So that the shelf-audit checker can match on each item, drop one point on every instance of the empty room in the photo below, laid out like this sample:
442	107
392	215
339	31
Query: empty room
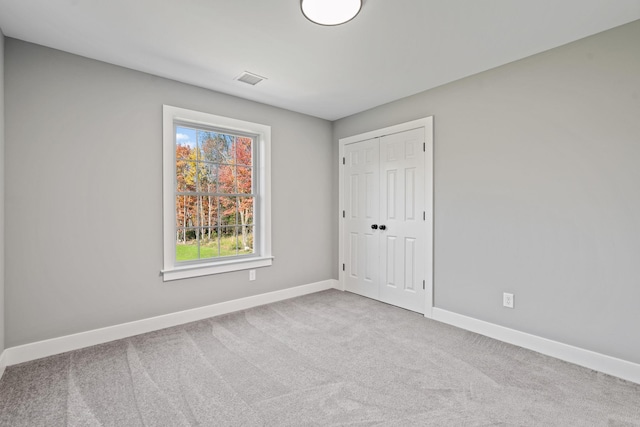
319	212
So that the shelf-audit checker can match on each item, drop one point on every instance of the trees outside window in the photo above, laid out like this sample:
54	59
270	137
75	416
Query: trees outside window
215	194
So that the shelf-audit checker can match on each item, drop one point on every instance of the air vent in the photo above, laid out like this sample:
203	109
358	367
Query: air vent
250	78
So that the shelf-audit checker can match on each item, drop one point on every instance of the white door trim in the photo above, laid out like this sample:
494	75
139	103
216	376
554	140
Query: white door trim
427	123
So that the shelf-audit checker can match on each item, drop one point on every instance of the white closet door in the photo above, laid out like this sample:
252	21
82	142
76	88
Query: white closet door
402	206
384	231
362	209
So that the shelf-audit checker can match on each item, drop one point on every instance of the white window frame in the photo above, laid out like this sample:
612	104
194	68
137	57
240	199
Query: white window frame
263	258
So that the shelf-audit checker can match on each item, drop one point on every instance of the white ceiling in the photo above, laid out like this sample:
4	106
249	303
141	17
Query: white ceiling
392	49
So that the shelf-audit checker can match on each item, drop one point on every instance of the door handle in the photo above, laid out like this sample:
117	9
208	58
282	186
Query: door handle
383	227
374	226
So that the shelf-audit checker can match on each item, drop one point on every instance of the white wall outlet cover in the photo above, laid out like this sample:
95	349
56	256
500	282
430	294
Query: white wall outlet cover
252	275
507	300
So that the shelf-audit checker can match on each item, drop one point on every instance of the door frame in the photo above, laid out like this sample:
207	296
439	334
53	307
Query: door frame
427	124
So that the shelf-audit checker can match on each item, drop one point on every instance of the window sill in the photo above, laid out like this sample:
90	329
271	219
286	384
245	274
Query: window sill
196	270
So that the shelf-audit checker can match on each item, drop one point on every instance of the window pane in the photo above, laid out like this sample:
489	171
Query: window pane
245	210
215	147
208	177
226	179
208	243
228	210
186	245
210	237
185	176
208	212
201	181
245	237
244	179
228	241
185	143
186	211
244	152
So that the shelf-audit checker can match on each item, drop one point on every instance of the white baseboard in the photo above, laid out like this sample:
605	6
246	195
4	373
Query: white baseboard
599	362
3	362
50	347
589	359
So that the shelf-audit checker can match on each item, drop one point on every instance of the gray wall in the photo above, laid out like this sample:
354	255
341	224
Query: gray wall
537	191
1	191
84	196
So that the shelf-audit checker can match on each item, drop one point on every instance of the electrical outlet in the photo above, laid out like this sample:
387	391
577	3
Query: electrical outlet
507	300
252	275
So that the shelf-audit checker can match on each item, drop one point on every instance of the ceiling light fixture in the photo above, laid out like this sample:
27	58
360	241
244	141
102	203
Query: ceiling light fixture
330	12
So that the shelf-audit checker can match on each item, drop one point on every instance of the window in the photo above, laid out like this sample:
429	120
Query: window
216	194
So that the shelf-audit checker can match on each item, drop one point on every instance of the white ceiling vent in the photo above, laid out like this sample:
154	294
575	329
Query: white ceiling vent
250	78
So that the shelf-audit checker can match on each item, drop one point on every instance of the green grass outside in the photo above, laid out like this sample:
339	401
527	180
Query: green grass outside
189	251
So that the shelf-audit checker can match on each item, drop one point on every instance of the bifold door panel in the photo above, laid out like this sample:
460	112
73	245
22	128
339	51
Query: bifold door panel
362	216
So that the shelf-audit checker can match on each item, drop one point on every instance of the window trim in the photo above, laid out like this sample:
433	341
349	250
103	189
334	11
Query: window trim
173	270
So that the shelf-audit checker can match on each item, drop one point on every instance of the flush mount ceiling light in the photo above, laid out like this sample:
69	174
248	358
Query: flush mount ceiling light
330	12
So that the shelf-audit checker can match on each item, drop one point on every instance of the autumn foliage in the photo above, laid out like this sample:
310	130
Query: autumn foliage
214	191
